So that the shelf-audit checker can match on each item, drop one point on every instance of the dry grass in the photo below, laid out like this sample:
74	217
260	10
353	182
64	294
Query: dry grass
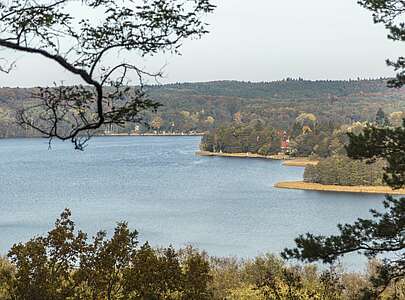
301	185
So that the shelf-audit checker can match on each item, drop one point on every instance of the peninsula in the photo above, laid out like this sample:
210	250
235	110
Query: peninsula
309	186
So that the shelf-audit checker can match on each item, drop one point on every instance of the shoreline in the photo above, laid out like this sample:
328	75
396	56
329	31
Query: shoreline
109	135
152	134
308	186
243	155
288	161
300	162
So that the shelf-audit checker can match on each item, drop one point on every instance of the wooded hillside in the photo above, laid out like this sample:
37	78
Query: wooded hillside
202	106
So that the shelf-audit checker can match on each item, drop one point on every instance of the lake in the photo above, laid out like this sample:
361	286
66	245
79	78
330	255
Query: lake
226	206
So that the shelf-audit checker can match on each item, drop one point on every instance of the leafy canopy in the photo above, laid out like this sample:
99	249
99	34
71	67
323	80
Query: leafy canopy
64	264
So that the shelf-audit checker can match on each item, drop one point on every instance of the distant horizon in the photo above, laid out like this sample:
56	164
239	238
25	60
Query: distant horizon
228	80
262	41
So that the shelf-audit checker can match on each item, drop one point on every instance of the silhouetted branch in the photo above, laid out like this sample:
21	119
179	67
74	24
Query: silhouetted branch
145	27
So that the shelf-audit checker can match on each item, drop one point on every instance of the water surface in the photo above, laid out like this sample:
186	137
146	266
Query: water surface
227	206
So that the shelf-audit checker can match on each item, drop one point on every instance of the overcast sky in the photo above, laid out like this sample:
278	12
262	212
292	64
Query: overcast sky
262	40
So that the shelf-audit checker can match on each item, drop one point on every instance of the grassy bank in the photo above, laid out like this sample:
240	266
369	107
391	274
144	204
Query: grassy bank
301	185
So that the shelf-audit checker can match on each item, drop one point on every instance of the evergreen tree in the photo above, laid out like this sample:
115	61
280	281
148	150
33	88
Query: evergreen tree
384	233
380	117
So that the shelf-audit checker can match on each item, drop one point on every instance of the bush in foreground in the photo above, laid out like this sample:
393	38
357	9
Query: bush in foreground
66	265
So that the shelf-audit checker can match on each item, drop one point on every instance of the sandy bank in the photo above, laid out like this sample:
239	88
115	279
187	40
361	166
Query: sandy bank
300	162
300	185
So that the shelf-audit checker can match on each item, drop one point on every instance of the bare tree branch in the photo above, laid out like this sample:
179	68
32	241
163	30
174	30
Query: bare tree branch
142	26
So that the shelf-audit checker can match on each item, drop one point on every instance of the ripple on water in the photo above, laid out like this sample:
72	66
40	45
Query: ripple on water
225	206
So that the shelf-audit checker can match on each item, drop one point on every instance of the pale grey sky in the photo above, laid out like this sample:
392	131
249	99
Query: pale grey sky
261	40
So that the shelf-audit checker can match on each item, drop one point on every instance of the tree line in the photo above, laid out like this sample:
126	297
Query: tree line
255	137
64	265
342	170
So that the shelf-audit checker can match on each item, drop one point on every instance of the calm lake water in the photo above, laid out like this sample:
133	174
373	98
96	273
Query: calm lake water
227	206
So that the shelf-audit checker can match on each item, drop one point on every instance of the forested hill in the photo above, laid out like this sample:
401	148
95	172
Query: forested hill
285	89
203	106
289	89
14	96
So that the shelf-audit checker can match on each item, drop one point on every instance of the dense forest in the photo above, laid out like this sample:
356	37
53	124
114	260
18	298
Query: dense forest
200	107
306	137
203	106
322	141
255	137
341	170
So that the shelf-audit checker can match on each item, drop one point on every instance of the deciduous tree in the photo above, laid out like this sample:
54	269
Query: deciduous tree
64	264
